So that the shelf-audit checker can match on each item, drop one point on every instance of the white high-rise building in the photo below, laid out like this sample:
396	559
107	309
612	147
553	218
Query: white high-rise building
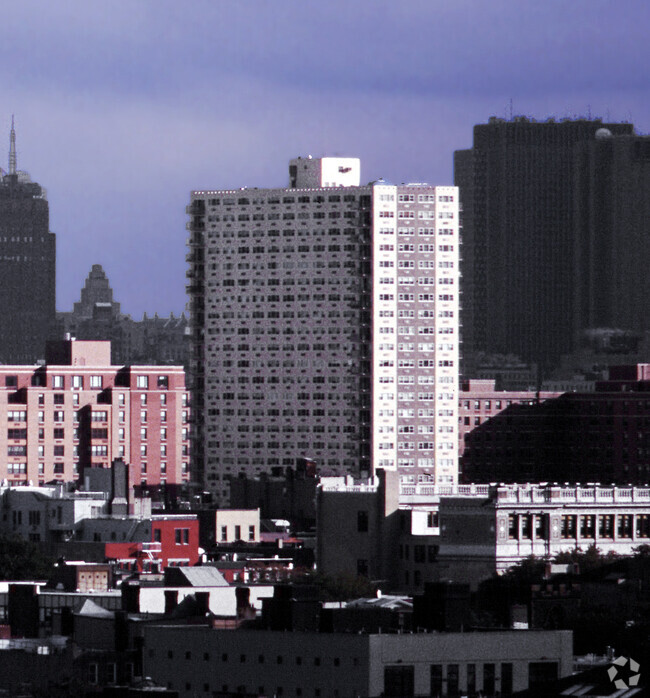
325	325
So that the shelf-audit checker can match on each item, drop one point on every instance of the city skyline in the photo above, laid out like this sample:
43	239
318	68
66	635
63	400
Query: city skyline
121	111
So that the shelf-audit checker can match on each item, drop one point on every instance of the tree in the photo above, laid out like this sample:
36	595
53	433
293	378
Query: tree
587	560
340	587
22	560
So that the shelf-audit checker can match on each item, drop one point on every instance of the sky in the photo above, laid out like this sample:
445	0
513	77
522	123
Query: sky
122	108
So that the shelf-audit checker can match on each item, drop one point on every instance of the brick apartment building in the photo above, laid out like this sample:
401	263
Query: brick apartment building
576	437
479	401
78	411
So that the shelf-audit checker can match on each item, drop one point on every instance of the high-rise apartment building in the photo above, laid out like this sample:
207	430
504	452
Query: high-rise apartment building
325	325
27	266
612	220
519	277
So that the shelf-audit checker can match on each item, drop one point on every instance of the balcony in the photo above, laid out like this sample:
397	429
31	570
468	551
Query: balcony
196	208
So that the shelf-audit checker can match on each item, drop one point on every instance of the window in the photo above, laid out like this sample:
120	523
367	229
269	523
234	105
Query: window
163	382
57	382
452	679
77	382
624	526
513	527
540	673
506	678
142	382
238	533
587	526
93	673
251	533
96	382
224	533
182	536
488	678
643	526
399	680
362	521
568	526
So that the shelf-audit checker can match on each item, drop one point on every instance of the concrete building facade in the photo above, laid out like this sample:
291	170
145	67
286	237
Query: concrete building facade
195	660
406	535
324	325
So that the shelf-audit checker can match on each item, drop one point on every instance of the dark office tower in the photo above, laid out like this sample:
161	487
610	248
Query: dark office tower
516	188
27	266
612	219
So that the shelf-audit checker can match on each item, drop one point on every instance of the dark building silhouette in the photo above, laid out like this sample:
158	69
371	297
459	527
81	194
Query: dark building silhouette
600	436
612	221
27	266
96	316
516	188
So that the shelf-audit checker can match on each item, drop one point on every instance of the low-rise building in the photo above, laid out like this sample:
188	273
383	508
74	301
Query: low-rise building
197	660
429	533
237	525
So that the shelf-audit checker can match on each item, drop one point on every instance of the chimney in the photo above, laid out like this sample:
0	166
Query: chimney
171	600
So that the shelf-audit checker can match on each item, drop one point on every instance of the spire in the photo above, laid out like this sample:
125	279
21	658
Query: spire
12	148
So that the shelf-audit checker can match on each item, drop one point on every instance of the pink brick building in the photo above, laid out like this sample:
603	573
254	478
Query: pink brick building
478	401
78	411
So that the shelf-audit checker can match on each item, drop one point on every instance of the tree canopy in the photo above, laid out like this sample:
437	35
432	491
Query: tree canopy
22	560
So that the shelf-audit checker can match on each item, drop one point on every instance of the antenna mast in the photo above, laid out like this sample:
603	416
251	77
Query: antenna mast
12	148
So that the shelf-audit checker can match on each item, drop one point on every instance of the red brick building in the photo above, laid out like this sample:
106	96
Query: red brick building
78	411
478	401
601	436
174	542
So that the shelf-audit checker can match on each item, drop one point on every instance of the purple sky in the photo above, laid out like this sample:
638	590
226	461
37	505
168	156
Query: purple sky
123	107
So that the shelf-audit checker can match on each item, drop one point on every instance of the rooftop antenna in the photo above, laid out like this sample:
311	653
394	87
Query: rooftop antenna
510	108
12	148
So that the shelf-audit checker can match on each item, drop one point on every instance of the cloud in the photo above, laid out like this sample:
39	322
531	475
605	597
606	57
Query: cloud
123	108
